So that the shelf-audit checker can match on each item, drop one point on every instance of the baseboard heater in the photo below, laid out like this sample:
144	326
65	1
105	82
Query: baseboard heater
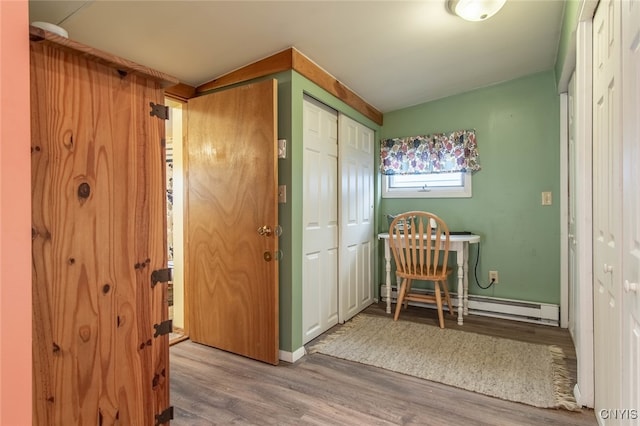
517	310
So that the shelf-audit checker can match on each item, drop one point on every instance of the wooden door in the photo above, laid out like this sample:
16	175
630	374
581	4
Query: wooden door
607	204
631	207
231	266
356	217
319	219
99	230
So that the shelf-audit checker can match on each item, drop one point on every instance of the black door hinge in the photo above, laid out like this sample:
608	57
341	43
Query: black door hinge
165	327
165	416
161	276
160	111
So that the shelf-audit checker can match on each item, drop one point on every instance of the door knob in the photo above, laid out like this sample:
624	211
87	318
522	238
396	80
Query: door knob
265	231
630	287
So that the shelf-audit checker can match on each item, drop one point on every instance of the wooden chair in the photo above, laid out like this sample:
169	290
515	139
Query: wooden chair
419	242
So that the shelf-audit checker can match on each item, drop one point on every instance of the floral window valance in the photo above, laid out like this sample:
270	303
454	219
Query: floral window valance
436	153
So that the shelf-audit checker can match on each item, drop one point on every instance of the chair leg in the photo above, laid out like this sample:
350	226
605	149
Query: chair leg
439	303
447	298
403	290
409	282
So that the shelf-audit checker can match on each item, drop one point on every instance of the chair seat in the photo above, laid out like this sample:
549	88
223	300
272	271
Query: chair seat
426	277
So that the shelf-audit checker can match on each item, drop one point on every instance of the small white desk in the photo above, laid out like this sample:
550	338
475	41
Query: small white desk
458	244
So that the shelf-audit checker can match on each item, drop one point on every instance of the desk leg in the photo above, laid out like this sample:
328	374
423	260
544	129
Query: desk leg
387	261
461	276
466	278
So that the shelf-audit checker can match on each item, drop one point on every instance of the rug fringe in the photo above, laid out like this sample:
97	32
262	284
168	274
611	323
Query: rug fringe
349	324
562	381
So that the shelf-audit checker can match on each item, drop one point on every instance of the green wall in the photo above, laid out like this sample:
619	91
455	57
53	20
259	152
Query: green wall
517	127
286	265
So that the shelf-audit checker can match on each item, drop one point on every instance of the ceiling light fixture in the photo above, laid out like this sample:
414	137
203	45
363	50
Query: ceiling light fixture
475	10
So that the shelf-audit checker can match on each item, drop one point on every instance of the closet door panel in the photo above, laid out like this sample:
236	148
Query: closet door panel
607	203
320	219
356	217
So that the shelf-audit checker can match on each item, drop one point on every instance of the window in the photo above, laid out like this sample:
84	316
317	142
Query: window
434	185
429	166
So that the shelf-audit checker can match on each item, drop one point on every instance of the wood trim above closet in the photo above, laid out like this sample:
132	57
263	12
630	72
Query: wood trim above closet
292	59
181	91
273	64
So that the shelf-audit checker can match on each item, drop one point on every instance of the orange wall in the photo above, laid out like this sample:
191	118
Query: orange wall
15	216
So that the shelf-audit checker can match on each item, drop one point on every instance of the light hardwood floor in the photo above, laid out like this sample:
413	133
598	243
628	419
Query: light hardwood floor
212	387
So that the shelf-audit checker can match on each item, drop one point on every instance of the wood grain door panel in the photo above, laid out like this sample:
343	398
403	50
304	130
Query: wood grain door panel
231	280
99	230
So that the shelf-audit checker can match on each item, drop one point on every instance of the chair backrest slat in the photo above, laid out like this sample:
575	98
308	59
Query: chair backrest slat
420	244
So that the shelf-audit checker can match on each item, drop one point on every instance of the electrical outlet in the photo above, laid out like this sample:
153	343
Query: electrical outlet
493	276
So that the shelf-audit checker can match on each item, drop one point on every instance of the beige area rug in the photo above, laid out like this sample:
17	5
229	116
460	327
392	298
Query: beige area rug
507	369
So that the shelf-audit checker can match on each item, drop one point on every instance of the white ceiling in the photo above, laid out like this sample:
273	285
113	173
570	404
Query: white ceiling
393	54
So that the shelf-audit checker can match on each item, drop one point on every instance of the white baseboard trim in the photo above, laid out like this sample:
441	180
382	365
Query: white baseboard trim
517	310
292	357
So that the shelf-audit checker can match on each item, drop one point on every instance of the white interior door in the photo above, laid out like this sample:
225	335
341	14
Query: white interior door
631	205
356	217
607	206
320	219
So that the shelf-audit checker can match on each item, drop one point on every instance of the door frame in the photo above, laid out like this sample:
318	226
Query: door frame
584	390
564	210
579	59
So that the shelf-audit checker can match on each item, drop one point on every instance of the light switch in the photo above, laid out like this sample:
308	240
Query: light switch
546	198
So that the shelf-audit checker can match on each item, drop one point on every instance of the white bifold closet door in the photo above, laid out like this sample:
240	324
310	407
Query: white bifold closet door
607	205
319	219
356	217
337	216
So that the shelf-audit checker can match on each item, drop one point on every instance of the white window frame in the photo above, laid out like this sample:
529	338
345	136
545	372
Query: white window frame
464	190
